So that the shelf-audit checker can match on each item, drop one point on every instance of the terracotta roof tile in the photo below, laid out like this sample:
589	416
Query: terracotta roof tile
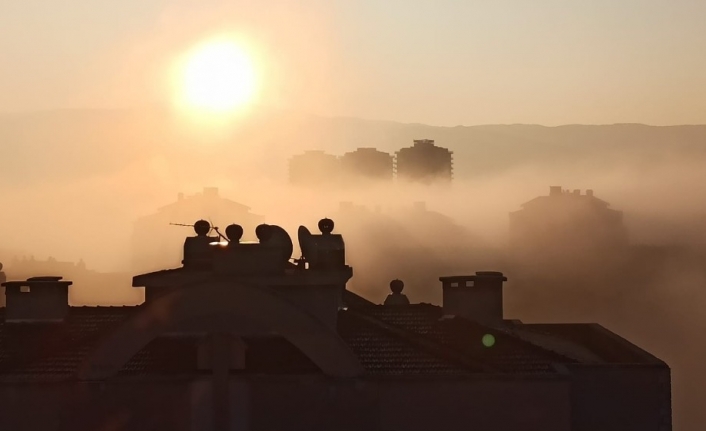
409	340
381	352
508	354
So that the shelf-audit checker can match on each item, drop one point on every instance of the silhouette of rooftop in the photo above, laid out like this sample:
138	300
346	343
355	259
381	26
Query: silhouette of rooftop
247	312
403	340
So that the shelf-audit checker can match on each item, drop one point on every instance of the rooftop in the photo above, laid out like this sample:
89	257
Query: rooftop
402	341
277	304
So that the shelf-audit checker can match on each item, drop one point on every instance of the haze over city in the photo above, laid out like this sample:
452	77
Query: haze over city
112	112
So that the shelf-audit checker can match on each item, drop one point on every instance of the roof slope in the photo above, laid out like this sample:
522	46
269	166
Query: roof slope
412	340
53	351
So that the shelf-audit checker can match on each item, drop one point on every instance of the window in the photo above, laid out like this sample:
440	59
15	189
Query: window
24	289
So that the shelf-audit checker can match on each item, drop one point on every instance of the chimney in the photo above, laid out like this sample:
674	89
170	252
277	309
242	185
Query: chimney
589	193
36	300
554	190
476	297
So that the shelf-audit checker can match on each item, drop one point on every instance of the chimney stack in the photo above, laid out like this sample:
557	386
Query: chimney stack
476	297
554	190
37	300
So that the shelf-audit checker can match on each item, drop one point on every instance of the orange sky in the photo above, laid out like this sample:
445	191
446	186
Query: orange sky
446	62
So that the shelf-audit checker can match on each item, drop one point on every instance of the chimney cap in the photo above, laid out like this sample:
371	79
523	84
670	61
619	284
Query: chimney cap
490	273
234	232
45	278
39	281
396	286
326	226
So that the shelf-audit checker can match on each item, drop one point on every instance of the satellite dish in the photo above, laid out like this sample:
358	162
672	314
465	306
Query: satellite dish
263	232
280	238
307	243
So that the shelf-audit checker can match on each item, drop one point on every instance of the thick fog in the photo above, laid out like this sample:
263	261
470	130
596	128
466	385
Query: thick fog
74	184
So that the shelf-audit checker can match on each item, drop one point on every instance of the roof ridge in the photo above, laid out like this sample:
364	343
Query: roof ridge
529	331
512	332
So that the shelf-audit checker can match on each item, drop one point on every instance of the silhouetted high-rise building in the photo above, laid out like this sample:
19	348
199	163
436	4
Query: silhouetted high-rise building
424	162
368	163
314	168
240	337
567	221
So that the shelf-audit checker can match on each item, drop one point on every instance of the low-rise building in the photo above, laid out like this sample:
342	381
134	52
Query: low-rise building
567	222
242	337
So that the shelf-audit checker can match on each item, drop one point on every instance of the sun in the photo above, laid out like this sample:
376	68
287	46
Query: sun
218	77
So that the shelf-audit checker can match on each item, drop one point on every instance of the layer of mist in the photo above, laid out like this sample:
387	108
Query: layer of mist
74	182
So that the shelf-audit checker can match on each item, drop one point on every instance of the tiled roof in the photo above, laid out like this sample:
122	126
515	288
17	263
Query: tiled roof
164	355
54	351
508	354
381	352
411	340
584	339
179	355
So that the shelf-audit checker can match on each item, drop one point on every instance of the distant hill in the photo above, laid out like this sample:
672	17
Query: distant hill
66	144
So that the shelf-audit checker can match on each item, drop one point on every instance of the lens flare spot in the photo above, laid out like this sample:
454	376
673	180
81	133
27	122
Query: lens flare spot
488	340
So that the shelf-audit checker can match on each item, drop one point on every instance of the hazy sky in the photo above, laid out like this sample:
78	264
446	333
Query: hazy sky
444	62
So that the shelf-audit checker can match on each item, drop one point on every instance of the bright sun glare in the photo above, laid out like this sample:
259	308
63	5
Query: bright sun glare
218	77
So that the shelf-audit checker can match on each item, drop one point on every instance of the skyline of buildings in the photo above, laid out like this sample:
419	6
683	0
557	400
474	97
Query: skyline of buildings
239	337
423	163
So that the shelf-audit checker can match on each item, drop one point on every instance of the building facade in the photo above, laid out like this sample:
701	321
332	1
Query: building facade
367	164
424	162
314	169
241	338
567	222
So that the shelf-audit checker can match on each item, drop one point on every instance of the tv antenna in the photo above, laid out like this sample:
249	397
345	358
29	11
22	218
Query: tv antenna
205	225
